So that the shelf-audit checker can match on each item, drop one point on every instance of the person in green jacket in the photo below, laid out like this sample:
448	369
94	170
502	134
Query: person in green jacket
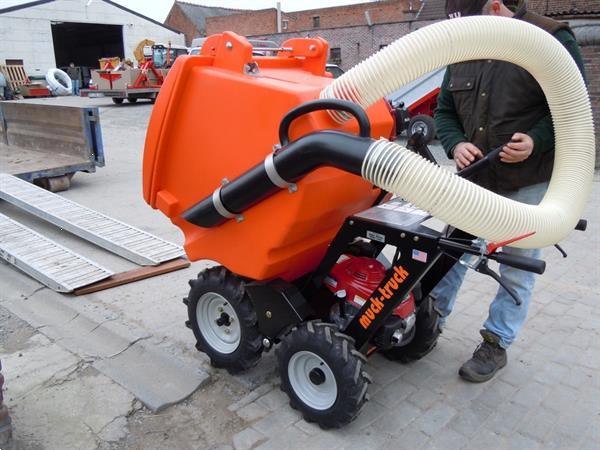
482	105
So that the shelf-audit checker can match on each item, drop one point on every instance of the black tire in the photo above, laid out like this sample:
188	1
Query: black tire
425	338
117	100
212	285
337	352
132	99
424	124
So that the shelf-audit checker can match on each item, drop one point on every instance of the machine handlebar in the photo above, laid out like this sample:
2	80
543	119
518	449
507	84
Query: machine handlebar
516	261
318	105
520	262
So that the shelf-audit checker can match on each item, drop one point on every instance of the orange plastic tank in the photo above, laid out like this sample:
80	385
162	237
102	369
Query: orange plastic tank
217	116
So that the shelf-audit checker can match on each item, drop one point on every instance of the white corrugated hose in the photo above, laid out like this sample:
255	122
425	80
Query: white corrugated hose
447	196
59	82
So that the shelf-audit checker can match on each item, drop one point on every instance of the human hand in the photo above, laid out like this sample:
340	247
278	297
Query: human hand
465	153
518	149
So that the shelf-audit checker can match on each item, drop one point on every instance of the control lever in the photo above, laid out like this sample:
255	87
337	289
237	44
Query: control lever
482	267
561	250
485	252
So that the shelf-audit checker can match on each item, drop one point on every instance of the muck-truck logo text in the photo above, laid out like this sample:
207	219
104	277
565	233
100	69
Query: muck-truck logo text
387	292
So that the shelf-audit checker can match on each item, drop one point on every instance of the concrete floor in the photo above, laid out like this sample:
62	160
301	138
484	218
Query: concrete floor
59	399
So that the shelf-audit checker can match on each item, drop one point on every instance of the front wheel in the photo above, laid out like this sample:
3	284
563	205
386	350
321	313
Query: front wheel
117	100
132	99
223	320
322	374
422	124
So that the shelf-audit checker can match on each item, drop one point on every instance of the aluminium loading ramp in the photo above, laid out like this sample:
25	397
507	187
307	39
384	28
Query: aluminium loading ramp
48	262
124	240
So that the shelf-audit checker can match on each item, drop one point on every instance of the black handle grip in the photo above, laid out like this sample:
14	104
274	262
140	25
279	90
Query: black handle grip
491	157
520	262
318	105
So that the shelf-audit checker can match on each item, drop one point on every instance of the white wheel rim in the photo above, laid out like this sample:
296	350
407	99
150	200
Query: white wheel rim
320	396
218	323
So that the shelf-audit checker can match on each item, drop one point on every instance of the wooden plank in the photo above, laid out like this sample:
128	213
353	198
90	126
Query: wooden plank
134	275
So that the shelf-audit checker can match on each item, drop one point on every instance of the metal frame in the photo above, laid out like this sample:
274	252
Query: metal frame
405	233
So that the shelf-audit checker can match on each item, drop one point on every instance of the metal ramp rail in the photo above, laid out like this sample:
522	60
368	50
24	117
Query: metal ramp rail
52	264
124	240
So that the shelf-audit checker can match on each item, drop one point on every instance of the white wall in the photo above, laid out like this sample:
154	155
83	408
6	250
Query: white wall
26	33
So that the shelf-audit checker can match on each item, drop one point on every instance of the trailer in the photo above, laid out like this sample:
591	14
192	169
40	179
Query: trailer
124	82
47	144
118	96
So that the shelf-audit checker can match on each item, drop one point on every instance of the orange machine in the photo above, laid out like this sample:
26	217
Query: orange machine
217	116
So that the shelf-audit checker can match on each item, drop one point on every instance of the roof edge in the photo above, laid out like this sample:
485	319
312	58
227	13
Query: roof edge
206	6
135	13
23	6
110	2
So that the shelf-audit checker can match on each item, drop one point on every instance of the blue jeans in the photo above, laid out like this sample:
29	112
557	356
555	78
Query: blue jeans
75	89
505	318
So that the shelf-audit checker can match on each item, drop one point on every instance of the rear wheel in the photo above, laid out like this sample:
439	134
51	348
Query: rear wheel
132	99
223	321
426	335
117	100
322	374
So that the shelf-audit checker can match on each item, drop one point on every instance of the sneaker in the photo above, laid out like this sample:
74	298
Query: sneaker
487	359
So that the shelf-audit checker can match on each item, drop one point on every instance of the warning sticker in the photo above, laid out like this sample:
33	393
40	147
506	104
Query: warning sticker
376	236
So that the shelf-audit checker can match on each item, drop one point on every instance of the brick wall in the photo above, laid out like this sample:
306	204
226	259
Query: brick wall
178	20
351	15
558	7
356	43
591	59
265	21
253	22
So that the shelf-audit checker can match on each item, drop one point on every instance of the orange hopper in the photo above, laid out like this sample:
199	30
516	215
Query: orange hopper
217	116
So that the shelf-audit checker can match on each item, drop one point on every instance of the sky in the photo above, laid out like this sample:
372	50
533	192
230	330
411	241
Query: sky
158	9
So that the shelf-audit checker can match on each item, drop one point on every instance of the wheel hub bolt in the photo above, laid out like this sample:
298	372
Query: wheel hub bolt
224	319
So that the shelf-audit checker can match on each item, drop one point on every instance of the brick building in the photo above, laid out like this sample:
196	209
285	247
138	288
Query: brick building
266	21
584	18
353	31
190	19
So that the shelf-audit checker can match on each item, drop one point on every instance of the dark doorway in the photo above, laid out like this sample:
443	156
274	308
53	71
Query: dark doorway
85	43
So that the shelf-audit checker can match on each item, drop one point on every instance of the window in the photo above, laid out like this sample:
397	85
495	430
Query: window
335	55
316	21
285	24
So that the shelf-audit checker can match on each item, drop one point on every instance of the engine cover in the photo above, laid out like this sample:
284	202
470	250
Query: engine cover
359	276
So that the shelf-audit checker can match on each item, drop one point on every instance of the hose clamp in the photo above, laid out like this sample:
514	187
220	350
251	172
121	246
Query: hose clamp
219	206
275	177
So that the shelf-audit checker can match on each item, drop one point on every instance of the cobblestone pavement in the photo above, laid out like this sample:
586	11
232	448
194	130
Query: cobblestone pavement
547	397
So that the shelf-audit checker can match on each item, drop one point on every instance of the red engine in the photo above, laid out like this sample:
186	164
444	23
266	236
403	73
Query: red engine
359	276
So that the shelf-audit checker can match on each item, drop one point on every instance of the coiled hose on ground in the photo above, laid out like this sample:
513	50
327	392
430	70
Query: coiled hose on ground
447	196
